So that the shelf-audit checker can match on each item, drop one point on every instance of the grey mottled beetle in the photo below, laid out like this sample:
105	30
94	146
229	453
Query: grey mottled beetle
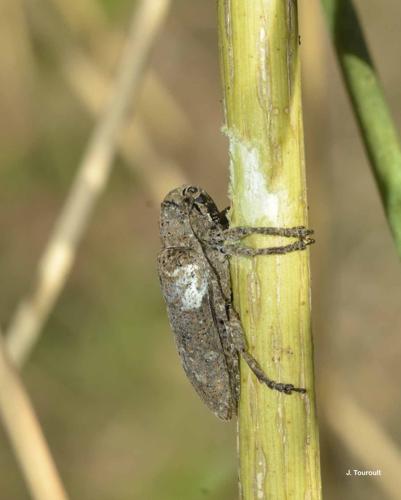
194	274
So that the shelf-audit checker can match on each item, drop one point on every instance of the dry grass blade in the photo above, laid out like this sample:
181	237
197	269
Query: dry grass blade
26	436
89	183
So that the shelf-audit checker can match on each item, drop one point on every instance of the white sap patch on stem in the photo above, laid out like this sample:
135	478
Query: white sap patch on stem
254	200
190	286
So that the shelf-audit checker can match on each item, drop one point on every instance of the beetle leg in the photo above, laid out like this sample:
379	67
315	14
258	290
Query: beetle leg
239	342
239	232
243	251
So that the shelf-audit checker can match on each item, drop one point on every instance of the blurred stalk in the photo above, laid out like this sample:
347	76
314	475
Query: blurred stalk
369	105
278	434
23	429
90	182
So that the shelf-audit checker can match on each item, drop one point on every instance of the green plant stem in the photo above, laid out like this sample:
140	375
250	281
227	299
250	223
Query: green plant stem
278	434
369	104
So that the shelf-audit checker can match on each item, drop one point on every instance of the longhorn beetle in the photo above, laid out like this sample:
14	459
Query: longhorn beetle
194	274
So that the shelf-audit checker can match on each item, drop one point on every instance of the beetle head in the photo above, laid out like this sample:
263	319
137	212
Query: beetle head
183	209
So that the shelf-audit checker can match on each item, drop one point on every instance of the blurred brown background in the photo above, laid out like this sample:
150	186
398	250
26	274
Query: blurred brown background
121	419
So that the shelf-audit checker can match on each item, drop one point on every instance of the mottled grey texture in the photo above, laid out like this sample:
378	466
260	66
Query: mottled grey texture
195	279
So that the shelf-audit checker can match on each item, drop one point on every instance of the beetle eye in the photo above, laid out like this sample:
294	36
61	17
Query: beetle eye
192	190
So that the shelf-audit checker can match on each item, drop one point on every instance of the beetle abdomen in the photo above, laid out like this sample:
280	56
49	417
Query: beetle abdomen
185	283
